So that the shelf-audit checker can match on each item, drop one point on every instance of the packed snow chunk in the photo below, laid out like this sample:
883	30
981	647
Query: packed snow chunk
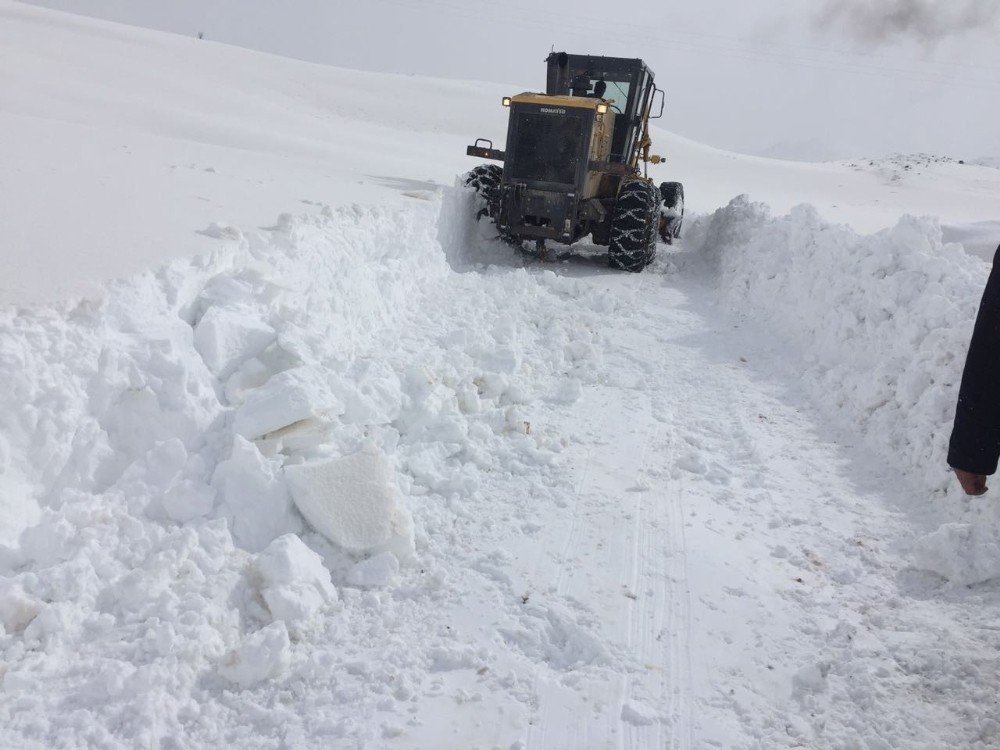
50	541
261	656
17	608
556	636
502	359
371	392
226	337
352	501
254	498
219	231
186	500
140	401
430	410
963	553
374	571
639	714
810	679
289	560
251	374
293	581
181	498
452	657
19	509
569	391
285	399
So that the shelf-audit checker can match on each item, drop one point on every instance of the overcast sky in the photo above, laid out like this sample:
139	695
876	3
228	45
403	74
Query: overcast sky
822	78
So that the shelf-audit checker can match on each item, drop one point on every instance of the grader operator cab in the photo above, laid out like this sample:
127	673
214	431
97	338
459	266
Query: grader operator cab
571	164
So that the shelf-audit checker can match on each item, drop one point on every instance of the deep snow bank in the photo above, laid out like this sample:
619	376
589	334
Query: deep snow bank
135	425
168	437
182	363
882	325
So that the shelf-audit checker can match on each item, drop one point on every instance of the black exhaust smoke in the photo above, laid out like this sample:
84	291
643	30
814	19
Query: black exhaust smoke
926	21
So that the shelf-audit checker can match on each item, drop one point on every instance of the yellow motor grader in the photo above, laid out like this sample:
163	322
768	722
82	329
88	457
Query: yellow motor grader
571	164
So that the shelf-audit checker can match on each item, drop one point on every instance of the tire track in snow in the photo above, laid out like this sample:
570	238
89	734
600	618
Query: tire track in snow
615	504
660	619
560	578
678	598
603	516
538	731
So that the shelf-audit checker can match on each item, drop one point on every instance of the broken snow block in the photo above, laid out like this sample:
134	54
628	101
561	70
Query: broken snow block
219	231
293	581
639	714
251	374
260	656
285	399
225	338
254	498
17	608
352	502
965	554
374	571
186	500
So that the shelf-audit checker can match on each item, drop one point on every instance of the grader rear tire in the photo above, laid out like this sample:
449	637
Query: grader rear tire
672	211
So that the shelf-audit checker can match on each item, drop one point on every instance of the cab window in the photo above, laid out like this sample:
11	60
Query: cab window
616	90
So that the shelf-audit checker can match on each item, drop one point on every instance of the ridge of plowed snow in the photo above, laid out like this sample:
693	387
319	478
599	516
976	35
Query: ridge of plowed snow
125	435
879	333
883	321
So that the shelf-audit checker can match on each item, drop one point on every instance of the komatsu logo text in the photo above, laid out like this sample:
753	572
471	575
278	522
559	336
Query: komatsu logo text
552	110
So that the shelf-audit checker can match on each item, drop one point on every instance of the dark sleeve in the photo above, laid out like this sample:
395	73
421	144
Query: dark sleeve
975	439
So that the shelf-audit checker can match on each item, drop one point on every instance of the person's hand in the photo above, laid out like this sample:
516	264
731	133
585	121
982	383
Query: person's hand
973	484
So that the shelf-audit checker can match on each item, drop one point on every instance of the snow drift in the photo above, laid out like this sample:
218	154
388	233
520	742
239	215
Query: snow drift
168	437
880	324
128	426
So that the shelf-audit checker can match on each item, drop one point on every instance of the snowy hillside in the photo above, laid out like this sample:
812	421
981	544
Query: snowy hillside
113	166
328	466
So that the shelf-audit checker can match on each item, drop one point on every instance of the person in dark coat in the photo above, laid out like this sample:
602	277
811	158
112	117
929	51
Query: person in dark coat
975	438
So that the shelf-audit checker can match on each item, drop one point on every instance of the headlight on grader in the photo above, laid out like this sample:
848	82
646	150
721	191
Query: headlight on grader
602	109
506	101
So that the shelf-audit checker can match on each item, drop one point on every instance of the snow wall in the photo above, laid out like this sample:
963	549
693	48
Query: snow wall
882	323
203	355
200	466
152	553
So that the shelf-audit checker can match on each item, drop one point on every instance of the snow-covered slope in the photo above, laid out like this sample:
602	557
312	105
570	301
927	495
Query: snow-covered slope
123	144
338	475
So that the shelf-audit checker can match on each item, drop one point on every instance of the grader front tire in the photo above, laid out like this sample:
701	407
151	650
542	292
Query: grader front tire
633	226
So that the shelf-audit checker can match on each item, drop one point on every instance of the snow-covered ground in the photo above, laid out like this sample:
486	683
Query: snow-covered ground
328	466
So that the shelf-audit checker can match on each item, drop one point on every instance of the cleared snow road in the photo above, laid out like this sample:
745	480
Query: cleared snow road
745	560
